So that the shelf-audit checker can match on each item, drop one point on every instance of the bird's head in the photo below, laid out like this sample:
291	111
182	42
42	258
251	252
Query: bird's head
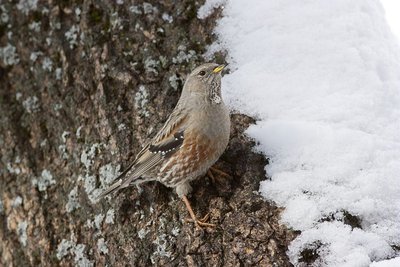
205	81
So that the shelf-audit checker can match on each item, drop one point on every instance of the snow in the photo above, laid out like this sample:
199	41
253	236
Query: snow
208	7
322	78
387	263
392	9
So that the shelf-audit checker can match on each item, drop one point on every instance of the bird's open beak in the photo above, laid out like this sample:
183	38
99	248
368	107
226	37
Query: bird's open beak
219	68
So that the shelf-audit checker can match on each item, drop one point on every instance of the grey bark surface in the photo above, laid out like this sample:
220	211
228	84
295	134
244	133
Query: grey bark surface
83	85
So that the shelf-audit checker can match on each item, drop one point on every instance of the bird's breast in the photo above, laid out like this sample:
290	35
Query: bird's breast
204	141
215	123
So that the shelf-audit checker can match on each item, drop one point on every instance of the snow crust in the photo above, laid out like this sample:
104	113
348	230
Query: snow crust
323	80
392	9
387	263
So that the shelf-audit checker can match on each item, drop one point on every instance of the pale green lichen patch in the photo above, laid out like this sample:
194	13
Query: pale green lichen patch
73	202
64	136
31	104
35	55
63	148
63	151
116	22
184	56
78	12
49	41
18	96
110	215
141	101
44	181
17	201
64	248
165	240
58	74
98	221
163	248
149	8
142	233
163	60
9	55
175	231
80	258
47	64
57	107
78	132
90	187
102	246
174	81
107	174
89	223
167	18
11	168
121	127
4	18
88	155
69	247
34	26
135	10
72	36
25	6
21	231
150	65
43	143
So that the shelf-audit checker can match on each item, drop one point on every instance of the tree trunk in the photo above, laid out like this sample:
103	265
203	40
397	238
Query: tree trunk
83	85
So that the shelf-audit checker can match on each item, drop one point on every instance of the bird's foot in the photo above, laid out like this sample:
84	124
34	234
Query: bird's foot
220	172
200	223
216	174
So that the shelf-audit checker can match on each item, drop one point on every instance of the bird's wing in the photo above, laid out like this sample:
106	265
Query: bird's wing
163	145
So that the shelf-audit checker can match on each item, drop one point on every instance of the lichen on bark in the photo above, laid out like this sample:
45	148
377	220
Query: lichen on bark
83	84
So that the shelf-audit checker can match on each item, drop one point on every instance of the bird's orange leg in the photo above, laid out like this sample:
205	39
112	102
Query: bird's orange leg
211	175
218	171
216	175
199	222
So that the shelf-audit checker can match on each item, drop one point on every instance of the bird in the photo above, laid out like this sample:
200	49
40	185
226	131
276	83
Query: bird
192	139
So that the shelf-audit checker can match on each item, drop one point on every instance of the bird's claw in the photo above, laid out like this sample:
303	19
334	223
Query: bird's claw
219	172
216	175
200	223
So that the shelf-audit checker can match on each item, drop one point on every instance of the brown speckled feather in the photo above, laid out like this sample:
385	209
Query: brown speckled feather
195	150
168	140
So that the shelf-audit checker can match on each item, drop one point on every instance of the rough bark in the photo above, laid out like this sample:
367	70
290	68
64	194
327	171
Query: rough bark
87	84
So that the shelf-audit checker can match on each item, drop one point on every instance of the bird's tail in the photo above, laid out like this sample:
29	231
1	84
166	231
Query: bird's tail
117	185
112	188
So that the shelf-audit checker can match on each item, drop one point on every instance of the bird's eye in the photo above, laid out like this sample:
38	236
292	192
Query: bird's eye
202	73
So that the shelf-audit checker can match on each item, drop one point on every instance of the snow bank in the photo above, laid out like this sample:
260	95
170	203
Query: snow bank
392	9
323	80
387	263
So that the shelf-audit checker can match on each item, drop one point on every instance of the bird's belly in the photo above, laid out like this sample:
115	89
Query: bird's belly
201	148
196	155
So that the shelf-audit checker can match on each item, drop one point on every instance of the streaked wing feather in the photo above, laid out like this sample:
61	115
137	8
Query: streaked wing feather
150	161
168	144
164	144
